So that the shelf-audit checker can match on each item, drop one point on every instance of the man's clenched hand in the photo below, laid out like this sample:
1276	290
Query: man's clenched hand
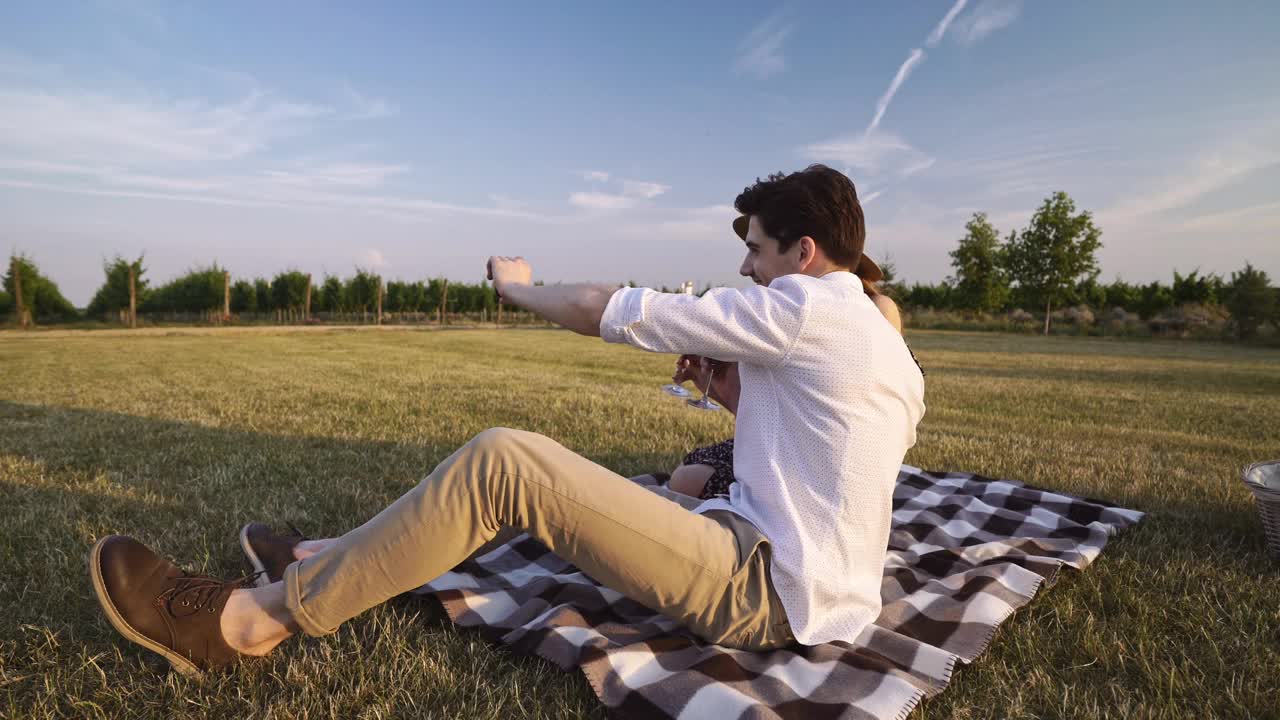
507	272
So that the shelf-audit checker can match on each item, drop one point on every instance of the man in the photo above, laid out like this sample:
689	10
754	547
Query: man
829	403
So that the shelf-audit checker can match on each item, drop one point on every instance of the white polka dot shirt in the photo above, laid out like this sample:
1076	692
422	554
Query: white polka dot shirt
829	406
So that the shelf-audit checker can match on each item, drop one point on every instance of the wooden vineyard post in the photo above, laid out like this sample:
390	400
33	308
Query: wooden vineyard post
133	299
226	295
444	304
19	305
307	311
498	322
379	301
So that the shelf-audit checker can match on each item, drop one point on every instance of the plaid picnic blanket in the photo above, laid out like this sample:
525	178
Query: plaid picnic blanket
965	552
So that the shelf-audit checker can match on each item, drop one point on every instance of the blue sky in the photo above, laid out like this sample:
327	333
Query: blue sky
606	141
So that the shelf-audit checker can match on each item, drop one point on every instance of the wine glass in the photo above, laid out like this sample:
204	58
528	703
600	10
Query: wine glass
704	402
676	390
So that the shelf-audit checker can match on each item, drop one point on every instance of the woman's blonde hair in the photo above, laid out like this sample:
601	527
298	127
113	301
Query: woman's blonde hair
869	287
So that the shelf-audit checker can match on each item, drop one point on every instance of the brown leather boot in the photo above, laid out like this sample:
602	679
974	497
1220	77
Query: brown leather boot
268	552
157	605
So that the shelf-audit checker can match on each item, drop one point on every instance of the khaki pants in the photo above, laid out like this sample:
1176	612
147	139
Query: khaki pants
710	572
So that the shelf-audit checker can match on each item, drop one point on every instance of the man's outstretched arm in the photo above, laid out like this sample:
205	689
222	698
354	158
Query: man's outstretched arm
576	307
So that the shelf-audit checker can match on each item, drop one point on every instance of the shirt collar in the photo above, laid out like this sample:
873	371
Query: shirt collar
841	276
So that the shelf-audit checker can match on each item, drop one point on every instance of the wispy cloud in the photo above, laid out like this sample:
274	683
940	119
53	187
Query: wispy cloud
760	52
200	150
41	118
505	202
595	176
1262	217
936	36
347	174
872	153
646	190
919	165
110	175
904	71
139	131
253	192
633	193
370	259
363	107
713	223
988	17
600	201
1210	171
1027	167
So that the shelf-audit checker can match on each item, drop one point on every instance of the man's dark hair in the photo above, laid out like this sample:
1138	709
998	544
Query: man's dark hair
817	201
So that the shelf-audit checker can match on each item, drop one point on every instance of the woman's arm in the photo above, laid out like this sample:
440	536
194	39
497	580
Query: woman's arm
889	309
691	480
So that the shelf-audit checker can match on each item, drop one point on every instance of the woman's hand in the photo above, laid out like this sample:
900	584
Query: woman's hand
723	376
689	368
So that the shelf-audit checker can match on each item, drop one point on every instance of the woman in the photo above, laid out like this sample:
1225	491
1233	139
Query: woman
707	472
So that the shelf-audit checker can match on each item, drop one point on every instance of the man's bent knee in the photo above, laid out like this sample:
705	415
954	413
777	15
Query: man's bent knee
497	439
501	447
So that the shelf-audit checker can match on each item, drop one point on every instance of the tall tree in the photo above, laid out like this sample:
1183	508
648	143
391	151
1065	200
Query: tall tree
289	290
198	290
361	291
262	291
488	298
435	294
244	297
418	297
1250	300
1091	293
1195	288
397	298
936	297
1122	295
1153	299
114	293
329	297
980	281
40	295
891	284
1054	253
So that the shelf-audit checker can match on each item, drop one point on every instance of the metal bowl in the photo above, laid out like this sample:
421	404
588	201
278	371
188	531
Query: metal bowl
1264	475
1264	480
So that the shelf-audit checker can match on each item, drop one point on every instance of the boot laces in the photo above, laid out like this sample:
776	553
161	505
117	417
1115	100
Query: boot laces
192	593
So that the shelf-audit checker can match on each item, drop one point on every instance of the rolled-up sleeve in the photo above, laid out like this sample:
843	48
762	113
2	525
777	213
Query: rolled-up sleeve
623	310
756	324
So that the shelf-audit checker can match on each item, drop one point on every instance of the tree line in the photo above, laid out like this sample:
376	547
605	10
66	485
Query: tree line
202	289
1053	263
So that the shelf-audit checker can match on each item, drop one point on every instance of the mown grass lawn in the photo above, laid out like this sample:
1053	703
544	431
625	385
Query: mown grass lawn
179	439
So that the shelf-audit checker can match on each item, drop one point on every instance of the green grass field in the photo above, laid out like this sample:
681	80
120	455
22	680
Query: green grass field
179	438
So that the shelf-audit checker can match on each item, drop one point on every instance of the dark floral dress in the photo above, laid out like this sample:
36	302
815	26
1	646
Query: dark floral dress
720	458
